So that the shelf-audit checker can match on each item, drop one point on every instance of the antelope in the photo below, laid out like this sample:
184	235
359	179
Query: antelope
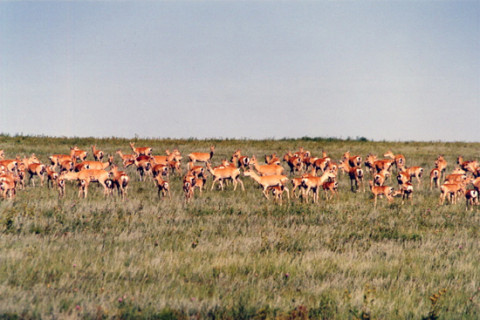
239	160
160	170
471	197
92	175
277	192
381	190
380	178
61	186
52	176
188	190
224	173
57	159
78	153
385	164
406	191
197	181
355	173
321	164
296	183
97	154
415	172
314	183
369	163
97	165
435	175
399	159
441	165
266	169
141	151
294	162
126	157
143	165
272	159
353	161
174	166
451	190
331	186
163	187
120	180
36	169
455	178
196	170
470	166
8	188
166	158
67	165
268	181
202	156
11	165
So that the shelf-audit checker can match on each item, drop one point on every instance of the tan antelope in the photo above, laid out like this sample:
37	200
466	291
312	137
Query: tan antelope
89	175
353	161
52	176
451	190
97	154
141	151
163	187
272	159
120	180
239	160
415	172
355	174
78	154
296	184
197	181
266	169
225	173
57	159
314	183
331	186
435	176
97	165
277	192
369	163
202	156
126	158
36	169
160	170
144	166
469	166
294	162
399	159
441	165
406	191
268	181
380	177
387	191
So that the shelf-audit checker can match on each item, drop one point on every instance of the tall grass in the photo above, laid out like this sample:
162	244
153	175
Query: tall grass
235	254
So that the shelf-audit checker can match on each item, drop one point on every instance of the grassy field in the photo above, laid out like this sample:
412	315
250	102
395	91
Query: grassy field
235	254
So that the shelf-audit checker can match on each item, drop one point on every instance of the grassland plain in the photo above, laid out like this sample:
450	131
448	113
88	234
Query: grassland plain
237	255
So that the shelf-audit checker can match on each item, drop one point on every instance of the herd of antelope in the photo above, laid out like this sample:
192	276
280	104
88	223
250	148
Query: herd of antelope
307	174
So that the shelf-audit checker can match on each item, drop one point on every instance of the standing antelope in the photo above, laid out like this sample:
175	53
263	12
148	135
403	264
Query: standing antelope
239	160
266	169
354	161
97	154
355	173
399	159
120	180
78	154
381	190
268	181
202	156
141	151
163	187
314	183
225	173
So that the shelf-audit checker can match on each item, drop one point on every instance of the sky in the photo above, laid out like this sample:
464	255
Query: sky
384	70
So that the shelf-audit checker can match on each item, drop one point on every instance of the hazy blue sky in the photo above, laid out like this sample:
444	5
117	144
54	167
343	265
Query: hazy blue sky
394	70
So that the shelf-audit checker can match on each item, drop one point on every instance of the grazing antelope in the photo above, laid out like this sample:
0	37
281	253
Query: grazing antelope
225	173
353	161
120	180
141	151
268	181
314	183
239	160
399	159
78	154
163	187
355	173
202	156
97	154
471	197
266	169
387	191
